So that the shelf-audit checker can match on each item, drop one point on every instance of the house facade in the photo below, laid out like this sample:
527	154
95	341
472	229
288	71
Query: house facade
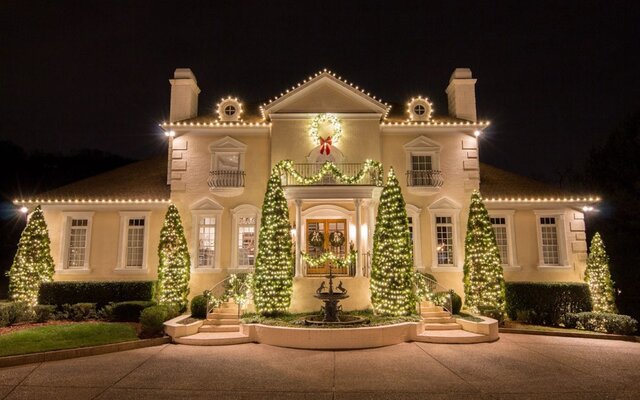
333	144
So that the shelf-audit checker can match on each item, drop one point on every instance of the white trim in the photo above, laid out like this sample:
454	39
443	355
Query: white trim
244	210
561	232
445	207
508	215
414	213
227	145
326	211
63	267
195	222
125	216
422	146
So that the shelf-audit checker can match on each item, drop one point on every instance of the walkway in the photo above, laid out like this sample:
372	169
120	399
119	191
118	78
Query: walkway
515	367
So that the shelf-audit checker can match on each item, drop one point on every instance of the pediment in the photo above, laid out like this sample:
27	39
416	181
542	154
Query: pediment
227	143
325	94
422	143
206	204
444	203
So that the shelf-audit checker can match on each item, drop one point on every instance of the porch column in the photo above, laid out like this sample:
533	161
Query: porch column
358	203
298	204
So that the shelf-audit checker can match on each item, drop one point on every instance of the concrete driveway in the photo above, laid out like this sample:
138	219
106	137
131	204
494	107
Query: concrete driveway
515	367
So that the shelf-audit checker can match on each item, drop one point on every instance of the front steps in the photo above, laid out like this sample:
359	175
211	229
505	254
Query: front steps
441	327
222	327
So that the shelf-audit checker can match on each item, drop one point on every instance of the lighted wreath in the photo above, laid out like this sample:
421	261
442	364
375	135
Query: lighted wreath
336	128
316	239
336	238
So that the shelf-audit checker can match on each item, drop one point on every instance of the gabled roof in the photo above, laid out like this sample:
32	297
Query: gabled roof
324	76
142	180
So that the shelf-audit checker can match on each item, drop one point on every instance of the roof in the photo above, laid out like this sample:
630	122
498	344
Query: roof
140	180
496	183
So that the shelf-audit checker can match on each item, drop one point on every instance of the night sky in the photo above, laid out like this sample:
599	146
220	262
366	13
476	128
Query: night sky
554	79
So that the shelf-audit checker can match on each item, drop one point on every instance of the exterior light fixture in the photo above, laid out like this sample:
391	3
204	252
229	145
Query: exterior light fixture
169	133
24	210
477	133
587	208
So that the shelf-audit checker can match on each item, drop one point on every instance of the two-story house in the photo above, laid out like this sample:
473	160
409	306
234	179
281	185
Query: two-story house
107	227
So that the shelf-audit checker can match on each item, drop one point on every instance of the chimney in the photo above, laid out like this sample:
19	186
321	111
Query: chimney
184	95
462	95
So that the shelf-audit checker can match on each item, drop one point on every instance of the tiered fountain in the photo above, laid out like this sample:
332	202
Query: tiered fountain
331	309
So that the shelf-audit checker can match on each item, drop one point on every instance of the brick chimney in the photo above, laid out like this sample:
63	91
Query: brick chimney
184	95
461	93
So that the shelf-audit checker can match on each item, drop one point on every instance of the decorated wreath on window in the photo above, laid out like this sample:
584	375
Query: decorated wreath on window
336	238
316	239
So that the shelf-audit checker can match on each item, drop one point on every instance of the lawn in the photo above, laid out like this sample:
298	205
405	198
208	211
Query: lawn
57	337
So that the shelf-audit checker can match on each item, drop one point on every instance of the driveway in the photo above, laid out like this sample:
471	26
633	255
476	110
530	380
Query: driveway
515	367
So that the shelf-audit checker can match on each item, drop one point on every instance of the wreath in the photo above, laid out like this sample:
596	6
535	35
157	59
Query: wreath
316	239
321	119
336	239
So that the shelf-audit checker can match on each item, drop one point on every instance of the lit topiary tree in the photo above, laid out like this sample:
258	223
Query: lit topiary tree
174	261
33	263
598	277
273	278
392	265
483	278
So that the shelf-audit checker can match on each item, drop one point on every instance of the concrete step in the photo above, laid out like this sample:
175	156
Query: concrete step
436	326
218	314
438	320
219	328
221	321
457	336
426	303
213	339
441	314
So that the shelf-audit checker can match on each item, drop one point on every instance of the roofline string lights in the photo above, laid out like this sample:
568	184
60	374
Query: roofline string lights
542	199
91	201
419	100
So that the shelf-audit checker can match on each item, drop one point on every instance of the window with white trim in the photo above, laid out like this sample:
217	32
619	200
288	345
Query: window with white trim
77	243
499	225
246	245
549	240
206	241
444	240
134	256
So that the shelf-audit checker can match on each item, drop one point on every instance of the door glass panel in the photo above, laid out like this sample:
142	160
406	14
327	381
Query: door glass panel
319	234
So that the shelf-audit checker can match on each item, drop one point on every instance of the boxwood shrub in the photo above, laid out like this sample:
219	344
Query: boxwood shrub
601	322
152	319
442	298
546	303
128	311
101	293
199	306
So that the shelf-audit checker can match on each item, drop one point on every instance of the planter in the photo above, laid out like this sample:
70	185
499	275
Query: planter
175	329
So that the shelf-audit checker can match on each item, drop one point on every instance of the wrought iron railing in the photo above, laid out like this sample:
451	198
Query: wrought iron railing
425	178
226	179
428	289
370	176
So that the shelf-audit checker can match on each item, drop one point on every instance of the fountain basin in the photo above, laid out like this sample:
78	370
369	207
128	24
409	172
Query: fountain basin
342	320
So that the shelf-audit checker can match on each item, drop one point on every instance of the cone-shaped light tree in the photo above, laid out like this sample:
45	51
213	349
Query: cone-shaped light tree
273	278
33	263
175	263
483	278
392	265
598	277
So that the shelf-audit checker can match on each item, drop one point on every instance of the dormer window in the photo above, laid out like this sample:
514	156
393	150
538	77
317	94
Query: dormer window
419	109
229	109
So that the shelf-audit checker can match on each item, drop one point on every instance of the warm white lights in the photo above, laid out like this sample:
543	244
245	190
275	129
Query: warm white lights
543	199
170	133
587	208
91	201
24	210
477	133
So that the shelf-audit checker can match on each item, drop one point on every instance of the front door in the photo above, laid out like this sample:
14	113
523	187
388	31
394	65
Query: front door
326	235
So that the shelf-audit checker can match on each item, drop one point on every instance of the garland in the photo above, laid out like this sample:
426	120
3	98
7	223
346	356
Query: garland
320	119
336	238
315	262
370	166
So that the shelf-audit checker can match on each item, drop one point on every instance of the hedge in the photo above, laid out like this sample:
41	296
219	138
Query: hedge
101	293
199	306
546	303
128	311
601	322
152	319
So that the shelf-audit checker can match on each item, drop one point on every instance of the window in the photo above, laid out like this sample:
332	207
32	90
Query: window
549	241
76	241
206	241
227	162
229	110
444	240
410	219
419	109
134	240
246	241
413	216
422	162
227	174
500	230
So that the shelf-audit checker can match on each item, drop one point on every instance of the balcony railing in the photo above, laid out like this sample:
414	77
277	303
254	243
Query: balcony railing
226	179
429	178
367	174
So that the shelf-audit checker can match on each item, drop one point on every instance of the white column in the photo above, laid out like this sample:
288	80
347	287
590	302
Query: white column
358	203
298	204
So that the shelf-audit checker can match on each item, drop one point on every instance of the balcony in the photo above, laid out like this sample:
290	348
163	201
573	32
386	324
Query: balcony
424	181
226	183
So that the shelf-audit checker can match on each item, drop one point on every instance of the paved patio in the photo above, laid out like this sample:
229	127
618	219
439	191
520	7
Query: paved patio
515	367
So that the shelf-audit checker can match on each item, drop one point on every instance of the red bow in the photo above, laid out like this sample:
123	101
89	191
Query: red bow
325	145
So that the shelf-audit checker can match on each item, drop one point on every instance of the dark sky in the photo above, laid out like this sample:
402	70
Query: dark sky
553	78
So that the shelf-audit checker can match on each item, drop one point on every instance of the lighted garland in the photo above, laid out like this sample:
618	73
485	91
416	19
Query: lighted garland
369	166
340	262
321	119
336	239
316	239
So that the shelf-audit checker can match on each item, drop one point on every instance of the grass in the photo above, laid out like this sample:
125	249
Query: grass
297	320
543	328
58	337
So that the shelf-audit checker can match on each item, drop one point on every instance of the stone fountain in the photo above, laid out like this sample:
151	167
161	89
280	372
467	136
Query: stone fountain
331	309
